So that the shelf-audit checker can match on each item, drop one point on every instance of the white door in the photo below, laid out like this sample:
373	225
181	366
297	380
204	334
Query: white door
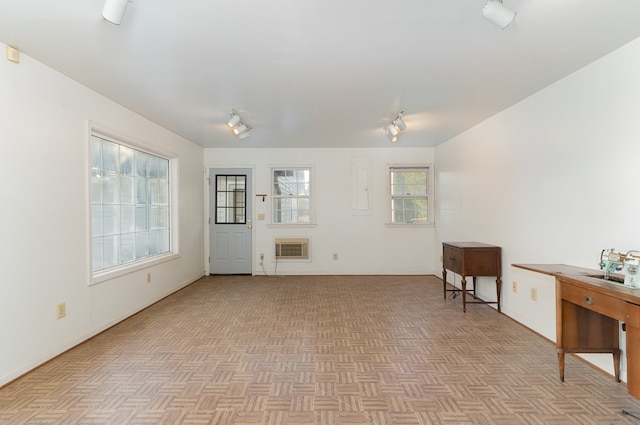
230	229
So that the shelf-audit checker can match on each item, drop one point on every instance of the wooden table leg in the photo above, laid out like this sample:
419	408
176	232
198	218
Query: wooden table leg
444	282
616	366
561	363
464	294
498	288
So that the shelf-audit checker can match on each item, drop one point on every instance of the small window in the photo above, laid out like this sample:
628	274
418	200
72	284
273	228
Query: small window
291	194
231	199
410	195
130	205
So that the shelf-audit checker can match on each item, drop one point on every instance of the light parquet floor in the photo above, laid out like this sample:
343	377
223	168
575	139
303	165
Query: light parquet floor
331	350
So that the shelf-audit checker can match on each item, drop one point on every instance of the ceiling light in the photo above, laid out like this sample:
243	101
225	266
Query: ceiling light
113	10
392	130
395	127
240	129
498	13
234	120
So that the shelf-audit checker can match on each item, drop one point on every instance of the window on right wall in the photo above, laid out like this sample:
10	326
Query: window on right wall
410	195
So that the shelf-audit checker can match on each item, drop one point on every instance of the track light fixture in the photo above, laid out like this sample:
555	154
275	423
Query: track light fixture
113	10
234	120
498	13
395	127
238	126
402	126
240	129
392	137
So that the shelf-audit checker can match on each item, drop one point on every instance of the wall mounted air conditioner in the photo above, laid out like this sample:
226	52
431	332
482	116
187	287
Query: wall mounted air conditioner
292	248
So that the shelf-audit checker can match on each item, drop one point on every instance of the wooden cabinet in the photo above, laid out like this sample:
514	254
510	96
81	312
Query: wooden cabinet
588	315
471	259
586	322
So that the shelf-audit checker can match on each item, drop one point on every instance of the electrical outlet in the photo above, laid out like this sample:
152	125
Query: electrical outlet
335	255
261	258
148	277
514	286
61	310
534	294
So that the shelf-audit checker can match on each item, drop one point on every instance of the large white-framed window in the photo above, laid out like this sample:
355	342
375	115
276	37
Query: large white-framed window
410	189
291	195
130	194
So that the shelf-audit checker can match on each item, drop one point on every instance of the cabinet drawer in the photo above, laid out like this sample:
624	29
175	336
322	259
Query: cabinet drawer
452	258
595	301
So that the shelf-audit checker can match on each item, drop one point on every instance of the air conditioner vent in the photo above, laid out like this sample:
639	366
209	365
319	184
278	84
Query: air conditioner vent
292	248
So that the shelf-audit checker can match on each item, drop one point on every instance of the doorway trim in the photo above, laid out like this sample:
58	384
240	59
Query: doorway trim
208	213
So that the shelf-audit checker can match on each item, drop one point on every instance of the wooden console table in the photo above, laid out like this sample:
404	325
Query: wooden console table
588	312
471	259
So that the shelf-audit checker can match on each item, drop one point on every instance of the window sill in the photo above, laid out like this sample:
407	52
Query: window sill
292	225
410	225
131	268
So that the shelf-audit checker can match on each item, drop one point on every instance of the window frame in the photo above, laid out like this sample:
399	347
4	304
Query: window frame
272	170
143	263
226	206
429	193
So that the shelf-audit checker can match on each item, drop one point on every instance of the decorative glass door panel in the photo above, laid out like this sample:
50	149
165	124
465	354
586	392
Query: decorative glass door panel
231	199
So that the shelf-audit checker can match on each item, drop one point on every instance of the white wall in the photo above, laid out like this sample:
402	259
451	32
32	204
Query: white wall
365	244
44	218
553	179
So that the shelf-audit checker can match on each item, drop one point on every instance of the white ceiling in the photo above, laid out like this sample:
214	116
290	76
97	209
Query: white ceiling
307	73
